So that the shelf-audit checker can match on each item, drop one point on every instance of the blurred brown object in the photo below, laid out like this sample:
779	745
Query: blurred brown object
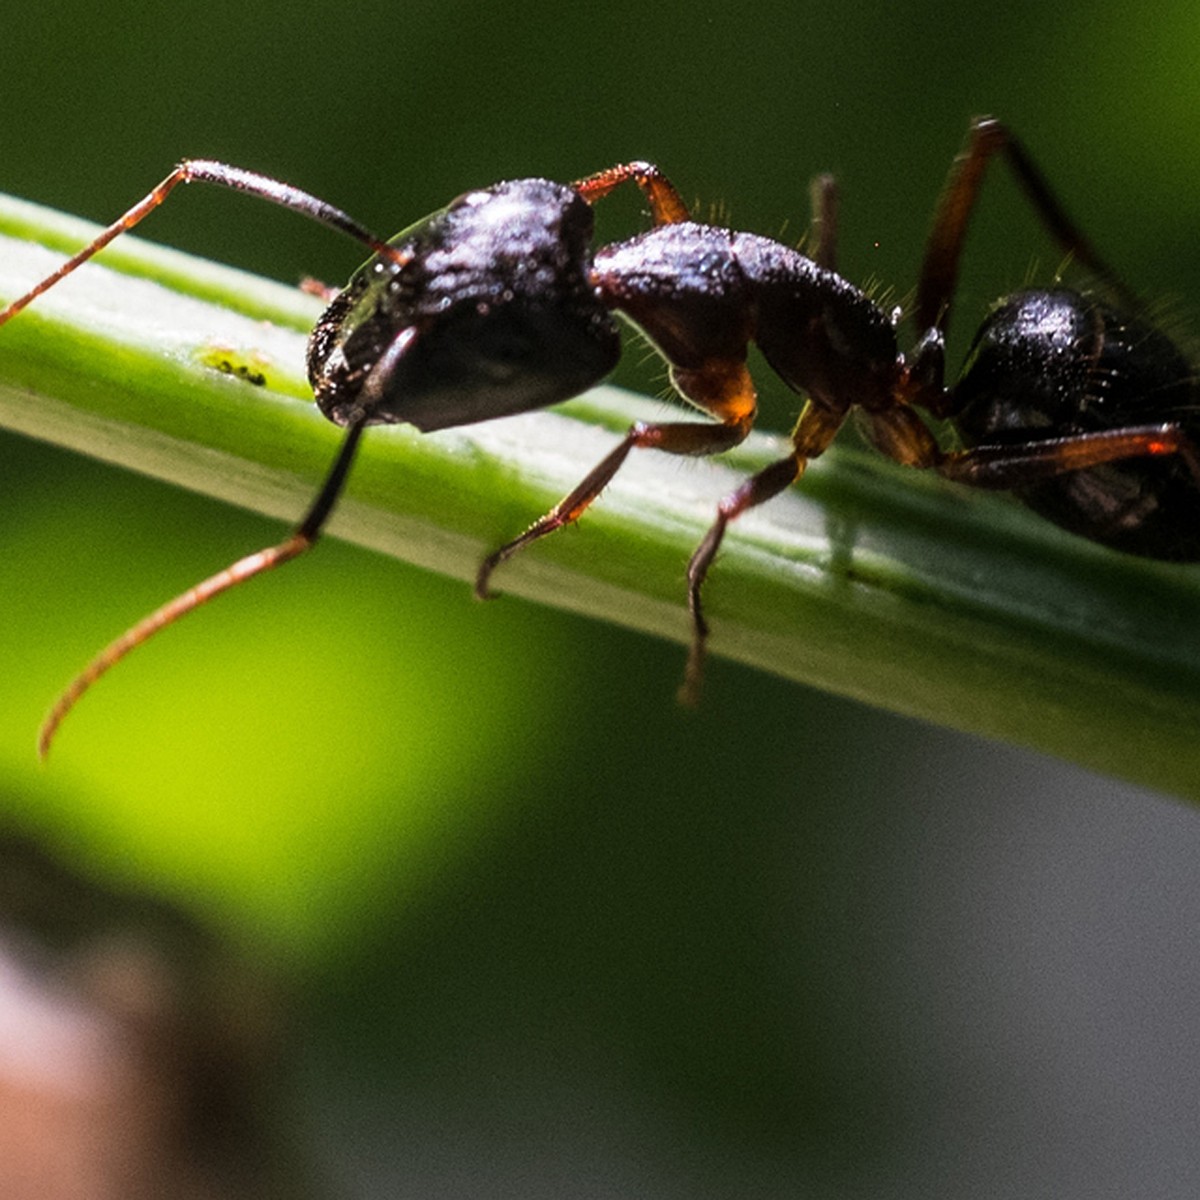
136	1050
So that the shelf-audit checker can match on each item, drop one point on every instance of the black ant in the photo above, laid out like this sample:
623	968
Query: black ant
498	304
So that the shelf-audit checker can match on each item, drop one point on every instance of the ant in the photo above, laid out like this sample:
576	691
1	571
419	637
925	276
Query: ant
498	304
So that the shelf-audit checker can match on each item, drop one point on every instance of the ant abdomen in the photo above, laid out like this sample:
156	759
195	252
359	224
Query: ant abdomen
1055	363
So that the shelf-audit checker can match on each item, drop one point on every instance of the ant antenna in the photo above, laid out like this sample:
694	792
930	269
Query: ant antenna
199	170
253	184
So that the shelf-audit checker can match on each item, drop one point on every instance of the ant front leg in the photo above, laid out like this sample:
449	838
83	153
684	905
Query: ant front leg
302	538
700	322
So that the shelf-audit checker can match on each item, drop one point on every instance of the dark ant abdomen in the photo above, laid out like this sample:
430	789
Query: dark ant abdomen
1053	363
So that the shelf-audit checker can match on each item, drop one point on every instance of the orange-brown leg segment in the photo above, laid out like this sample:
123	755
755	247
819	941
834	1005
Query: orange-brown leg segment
721	387
814	430
1006	467
677	438
939	272
903	436
238	572
666	204
304	536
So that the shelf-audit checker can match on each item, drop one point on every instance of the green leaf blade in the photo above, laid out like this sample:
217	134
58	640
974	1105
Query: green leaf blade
873	582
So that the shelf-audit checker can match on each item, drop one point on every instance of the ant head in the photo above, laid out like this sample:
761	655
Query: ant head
493	299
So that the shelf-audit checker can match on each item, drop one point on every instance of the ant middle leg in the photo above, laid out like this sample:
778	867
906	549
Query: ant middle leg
722	388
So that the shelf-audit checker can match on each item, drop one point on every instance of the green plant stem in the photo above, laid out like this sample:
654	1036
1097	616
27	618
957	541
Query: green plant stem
889	586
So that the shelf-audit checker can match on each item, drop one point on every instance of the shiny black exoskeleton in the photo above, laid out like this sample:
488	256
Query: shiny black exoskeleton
1056	361
497	288
499	304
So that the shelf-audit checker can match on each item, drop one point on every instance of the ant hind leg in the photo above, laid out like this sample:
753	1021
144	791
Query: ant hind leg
986	139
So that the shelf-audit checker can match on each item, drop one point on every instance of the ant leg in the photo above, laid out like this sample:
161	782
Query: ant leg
302	538
206	171
756	490
721	388
823	196
666	204
814	430
1006	467
245	568
905	438
986	138
238	572
686	438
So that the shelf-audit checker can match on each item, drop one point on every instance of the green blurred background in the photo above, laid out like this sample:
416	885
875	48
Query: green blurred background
546	934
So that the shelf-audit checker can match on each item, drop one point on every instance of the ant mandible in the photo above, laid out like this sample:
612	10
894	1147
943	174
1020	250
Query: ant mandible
498	304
